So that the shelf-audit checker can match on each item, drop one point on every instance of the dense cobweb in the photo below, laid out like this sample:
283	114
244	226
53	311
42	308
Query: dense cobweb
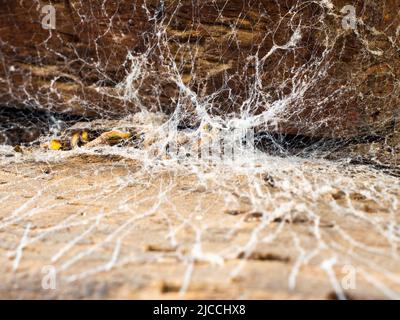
263	188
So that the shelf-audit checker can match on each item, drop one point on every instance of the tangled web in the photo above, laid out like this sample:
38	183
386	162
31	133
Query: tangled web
205	200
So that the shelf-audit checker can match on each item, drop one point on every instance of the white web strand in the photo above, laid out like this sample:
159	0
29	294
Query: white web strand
310	201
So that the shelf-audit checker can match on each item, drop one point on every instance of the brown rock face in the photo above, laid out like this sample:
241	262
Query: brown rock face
295	61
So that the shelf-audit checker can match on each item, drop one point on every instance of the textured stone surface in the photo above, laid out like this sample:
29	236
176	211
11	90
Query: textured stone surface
292	58
107	240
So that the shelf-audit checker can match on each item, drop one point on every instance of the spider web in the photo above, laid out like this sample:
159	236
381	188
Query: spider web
176	200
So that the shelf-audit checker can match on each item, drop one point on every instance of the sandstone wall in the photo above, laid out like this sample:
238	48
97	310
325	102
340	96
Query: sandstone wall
292	58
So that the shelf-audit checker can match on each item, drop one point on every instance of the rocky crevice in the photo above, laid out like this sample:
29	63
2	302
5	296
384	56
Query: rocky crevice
293	59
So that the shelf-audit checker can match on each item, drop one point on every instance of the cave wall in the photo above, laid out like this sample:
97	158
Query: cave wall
291	59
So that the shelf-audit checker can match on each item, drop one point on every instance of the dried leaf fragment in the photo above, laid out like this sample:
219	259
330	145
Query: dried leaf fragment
110	138
75	140
85	136
55	144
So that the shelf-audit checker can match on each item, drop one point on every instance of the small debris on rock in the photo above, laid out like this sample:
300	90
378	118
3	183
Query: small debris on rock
264	256
269	180
339	195
55	145
234	212
253	216
18	149
110	138
75	140
160	248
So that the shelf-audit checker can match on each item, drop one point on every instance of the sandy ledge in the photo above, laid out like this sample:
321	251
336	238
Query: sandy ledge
112	228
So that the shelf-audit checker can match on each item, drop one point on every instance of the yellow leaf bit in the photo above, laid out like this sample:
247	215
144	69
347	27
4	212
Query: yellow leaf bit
85	136
55	144
115	136
75	140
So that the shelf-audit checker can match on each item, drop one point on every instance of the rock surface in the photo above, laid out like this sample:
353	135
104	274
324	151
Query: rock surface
110	228
293	59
